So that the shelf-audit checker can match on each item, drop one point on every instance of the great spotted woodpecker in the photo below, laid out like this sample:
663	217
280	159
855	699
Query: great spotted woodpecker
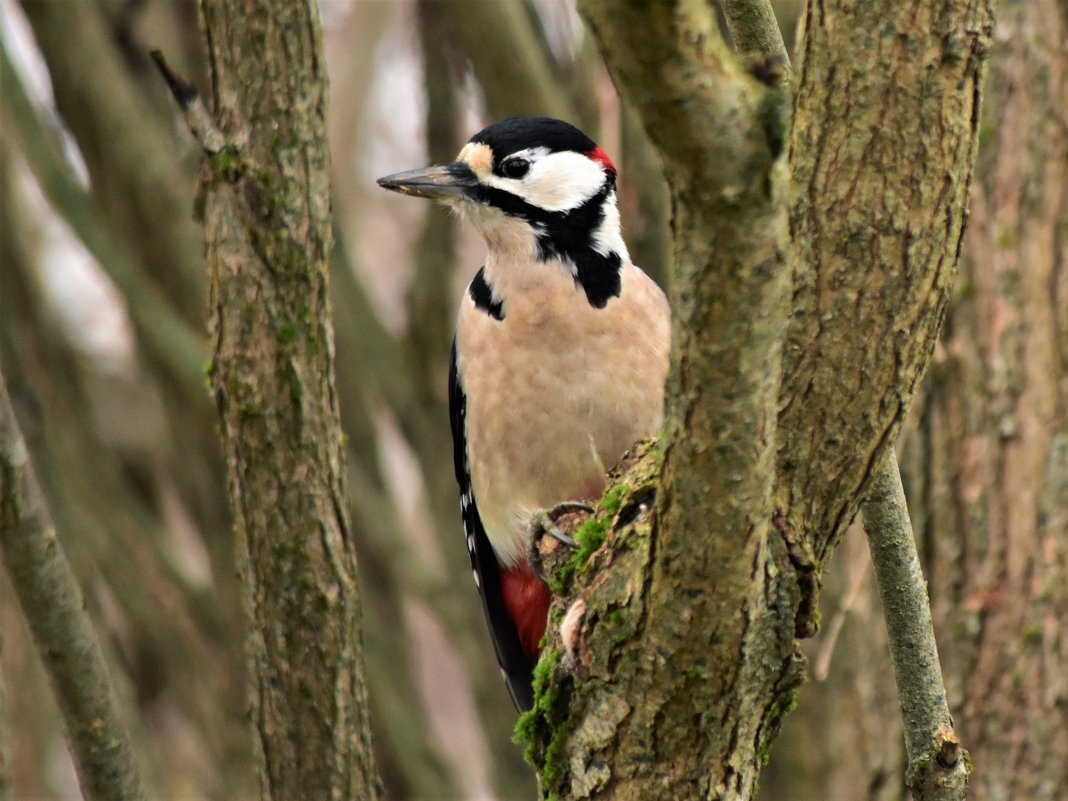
559	359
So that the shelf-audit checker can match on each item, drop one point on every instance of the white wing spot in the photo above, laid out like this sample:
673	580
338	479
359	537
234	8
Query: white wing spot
475	574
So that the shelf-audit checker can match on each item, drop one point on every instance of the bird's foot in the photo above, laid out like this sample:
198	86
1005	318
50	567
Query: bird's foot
543	525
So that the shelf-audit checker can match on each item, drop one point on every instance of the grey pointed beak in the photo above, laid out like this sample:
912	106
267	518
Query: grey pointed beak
440	183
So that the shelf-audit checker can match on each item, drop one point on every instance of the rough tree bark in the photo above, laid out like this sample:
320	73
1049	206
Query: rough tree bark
987	461
54	608
938	770
983	462
267	220
675	659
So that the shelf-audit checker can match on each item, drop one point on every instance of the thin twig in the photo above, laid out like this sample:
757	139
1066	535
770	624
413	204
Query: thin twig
55	611
197	117
938	766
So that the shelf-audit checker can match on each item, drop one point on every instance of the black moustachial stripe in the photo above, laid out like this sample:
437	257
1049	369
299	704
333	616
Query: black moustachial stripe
482	295
567	235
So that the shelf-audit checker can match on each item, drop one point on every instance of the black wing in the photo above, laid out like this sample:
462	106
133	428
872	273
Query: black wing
516	667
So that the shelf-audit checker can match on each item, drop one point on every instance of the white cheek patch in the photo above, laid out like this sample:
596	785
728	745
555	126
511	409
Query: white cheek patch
607	237
556	181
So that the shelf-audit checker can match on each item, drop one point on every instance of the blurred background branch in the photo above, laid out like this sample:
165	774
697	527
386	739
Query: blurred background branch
66	642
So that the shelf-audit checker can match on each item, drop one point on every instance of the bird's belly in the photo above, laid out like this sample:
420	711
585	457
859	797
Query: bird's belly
546	424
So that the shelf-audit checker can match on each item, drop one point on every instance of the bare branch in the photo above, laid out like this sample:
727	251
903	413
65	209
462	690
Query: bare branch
754	29
197	117
938	769
55	610
159	327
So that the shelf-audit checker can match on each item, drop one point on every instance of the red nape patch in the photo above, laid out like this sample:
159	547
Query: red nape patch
601	157
526	599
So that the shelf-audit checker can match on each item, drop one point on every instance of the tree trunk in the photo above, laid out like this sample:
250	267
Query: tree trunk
989	455
674	664
984	463
267	219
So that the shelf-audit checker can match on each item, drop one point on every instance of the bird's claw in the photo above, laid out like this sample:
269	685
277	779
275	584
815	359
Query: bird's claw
542	523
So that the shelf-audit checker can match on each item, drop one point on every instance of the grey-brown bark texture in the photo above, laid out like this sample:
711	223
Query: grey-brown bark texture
267	220
938	770
55	610
983	465
990	465
778	411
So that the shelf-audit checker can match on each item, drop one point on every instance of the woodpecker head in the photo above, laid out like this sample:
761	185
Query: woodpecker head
536	187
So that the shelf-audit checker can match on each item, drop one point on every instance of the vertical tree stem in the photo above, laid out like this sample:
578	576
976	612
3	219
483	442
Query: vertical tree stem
754	29
55	610
938	769
267	221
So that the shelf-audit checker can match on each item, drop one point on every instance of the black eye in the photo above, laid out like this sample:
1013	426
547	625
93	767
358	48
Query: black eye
515	168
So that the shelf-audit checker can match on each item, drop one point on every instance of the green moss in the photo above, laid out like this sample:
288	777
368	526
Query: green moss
1032	635
543	699
698	672
620	630
227	164
784	705
613	499
287	333
550	769
590	536
537	730
525	733
986	135
305	689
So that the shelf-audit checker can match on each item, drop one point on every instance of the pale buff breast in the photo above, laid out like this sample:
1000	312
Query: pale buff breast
556	391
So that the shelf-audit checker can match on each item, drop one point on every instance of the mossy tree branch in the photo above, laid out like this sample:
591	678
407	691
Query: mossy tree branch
693	654
55	611
719	133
